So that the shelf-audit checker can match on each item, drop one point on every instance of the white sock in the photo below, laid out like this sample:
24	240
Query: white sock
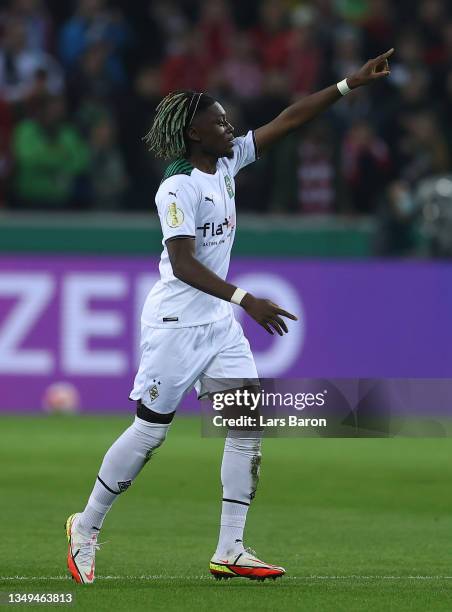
122	463
233	518
239	476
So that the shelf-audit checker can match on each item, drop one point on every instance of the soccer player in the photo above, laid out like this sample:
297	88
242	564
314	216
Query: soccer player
189	334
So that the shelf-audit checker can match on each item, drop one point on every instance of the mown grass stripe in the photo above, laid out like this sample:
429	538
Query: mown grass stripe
208	577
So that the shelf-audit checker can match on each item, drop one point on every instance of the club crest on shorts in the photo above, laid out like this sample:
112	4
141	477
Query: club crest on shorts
154	390
174	215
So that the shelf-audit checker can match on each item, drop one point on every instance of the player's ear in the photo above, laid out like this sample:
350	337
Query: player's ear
192	134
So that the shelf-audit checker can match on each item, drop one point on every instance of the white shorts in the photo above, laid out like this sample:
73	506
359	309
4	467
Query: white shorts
173	361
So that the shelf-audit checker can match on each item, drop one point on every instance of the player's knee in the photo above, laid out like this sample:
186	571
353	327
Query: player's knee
248	445
152	435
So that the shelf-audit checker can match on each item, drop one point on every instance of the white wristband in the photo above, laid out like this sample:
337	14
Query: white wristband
238	296
343	87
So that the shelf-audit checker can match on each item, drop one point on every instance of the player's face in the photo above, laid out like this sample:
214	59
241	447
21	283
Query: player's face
214	132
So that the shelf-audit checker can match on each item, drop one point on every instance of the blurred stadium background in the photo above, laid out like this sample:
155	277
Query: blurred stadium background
347	223
79	82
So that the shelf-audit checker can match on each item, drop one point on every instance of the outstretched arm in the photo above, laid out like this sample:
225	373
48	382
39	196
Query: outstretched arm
309	107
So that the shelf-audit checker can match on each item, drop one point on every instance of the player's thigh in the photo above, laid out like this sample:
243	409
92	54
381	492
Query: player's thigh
170	364
232	364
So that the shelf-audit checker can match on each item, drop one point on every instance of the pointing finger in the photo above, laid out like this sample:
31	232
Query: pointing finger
286	314
386	55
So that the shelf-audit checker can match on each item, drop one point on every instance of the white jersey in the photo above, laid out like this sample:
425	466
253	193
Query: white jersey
200	205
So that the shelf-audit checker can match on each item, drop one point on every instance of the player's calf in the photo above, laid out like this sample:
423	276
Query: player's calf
122	463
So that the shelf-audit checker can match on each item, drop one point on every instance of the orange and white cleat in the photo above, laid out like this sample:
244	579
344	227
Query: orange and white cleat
245	564
81	552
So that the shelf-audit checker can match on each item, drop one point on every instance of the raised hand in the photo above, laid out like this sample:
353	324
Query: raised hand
267	314
372	70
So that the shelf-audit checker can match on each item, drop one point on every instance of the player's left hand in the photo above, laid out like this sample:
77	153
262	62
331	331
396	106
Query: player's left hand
372	70
267	313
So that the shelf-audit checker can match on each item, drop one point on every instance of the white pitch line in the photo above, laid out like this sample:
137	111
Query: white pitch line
204	577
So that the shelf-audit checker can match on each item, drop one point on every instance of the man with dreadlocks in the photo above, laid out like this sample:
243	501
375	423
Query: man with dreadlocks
190	337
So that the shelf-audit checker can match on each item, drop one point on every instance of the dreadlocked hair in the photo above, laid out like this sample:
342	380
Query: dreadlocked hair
167	136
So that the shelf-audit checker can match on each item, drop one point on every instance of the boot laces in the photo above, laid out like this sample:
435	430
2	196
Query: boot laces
88	550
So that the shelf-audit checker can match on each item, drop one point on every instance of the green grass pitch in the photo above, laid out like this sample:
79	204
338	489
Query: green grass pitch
359	524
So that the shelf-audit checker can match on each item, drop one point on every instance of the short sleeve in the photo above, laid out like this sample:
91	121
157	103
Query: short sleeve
245	152
177	204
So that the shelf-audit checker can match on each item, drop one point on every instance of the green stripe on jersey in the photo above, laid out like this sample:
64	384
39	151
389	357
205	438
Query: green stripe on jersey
180	166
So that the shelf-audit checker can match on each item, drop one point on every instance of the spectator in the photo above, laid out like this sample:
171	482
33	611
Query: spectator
263	188
431	15
272	35
442	71
107	169
304	61
190	67
354	11
19	67
358	105
447	36
413	96
273	99
170	19
5	149
317	176
37	22
92	78
378	27
445	109
50	156
409	56
347	52
306	172
94	23
366	167
396	221
422	147
218	29
241	72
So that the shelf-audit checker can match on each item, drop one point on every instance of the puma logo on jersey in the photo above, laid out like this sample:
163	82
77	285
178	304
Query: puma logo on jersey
172	193
207	199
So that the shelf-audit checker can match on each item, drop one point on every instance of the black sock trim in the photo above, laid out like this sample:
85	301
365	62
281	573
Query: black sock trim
107	487
235	501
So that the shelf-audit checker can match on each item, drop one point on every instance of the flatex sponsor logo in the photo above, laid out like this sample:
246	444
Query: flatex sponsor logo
211	229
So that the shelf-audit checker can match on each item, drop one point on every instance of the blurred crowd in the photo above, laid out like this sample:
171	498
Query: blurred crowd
80	80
